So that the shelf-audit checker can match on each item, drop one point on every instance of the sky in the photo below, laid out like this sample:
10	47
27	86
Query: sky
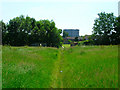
67	14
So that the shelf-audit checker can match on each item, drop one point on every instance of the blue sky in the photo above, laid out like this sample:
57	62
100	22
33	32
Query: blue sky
67	14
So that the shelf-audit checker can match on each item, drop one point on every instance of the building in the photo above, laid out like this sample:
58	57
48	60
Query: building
80	38
119	8
72	32
86	37
66	40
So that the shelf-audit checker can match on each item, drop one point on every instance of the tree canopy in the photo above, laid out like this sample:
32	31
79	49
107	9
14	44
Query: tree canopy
22	31
116	33
65	34
103	28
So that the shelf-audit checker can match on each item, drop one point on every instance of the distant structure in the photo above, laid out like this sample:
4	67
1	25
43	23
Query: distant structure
72	32
119	8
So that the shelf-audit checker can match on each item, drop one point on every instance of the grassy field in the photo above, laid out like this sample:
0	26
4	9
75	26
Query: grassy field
74	67
66	45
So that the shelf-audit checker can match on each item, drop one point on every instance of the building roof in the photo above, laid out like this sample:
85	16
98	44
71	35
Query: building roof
70	29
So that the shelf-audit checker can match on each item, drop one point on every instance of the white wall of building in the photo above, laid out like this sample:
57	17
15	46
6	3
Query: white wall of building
118	8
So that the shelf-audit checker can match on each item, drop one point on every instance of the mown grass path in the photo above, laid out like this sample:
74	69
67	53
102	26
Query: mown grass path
57	72
88	67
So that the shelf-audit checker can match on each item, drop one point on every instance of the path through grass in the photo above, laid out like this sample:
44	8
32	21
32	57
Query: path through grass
74	67
90	67
56	75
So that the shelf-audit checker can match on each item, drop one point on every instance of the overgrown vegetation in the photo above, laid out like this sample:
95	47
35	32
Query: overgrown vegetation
75	67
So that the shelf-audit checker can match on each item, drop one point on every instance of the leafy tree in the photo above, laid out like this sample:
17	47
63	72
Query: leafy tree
56	39
3	27
91	39
60	31
17	36
29	26
69	41
52	34
65	34
76	39
3	33
18	31
22	31
103	27
116	33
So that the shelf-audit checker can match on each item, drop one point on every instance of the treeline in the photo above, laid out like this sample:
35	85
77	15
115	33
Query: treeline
106	30
22	31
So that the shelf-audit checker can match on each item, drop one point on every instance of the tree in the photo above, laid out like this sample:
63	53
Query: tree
76	39
60	31
65	34
4	32
69	41
53	37
116	33
22	31
29	26
18	30
17	34
56	39
103	27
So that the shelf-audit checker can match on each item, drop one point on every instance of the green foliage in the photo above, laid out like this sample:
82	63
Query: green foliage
85	42
65	34
4	31
80	43
116	33
69	41
60	31
76	39
66	45
22	31
103	28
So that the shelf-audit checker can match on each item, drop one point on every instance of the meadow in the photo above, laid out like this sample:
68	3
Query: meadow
69	67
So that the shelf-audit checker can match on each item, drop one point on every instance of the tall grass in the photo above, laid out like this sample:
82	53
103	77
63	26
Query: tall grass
28	67
74	67
90	67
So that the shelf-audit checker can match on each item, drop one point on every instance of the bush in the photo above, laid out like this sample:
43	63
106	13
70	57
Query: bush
86	42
